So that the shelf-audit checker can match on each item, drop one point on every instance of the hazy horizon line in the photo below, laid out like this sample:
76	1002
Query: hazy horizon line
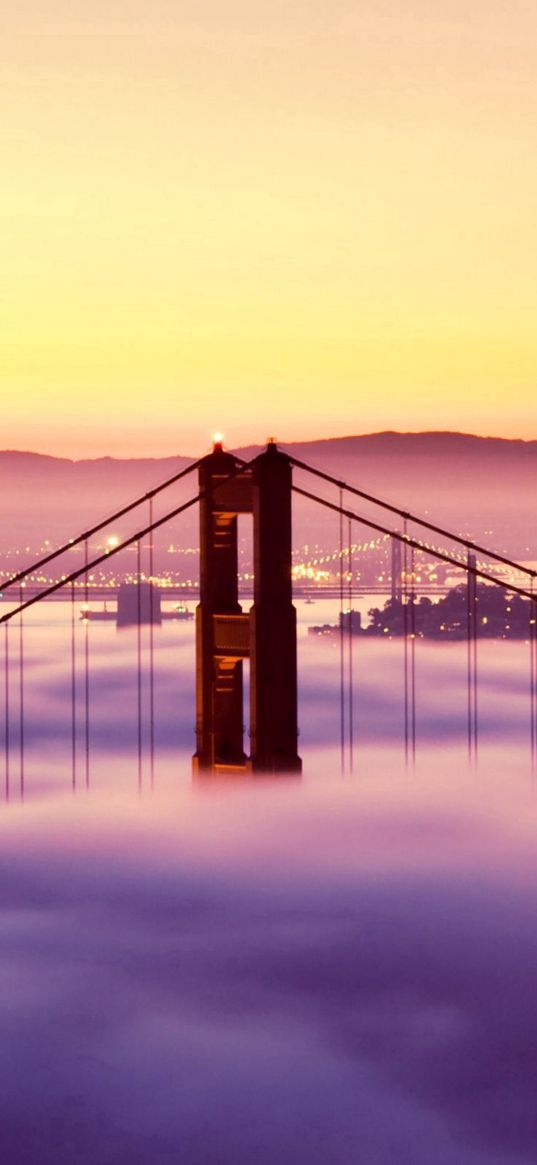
282	442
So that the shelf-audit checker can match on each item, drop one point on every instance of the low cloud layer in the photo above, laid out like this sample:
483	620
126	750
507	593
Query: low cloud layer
311	971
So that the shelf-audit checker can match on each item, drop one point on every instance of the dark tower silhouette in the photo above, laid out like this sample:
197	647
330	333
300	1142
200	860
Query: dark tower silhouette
273	678
225	636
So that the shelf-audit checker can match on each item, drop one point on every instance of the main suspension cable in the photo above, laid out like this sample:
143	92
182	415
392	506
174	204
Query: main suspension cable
441	555
468	543
83	570
86	534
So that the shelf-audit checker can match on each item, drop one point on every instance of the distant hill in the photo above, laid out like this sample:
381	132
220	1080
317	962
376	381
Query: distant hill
472	484
485	487
54	498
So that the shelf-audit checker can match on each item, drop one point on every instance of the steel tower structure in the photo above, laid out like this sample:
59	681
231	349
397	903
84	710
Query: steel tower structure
266	635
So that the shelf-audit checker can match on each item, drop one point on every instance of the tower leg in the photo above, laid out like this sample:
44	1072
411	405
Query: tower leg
219	690
273	684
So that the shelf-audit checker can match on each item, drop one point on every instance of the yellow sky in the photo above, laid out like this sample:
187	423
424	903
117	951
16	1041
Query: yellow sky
303	219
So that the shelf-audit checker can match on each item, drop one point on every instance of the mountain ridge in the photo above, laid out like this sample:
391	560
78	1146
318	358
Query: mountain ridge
381	436
475	485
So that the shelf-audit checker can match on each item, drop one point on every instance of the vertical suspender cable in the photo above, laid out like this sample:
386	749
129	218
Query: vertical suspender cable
412	656
404	599
471	647
151	654
139	656
351	633
474	658
21	694
6	708
533	676
73	688
341	640
86	671
469	664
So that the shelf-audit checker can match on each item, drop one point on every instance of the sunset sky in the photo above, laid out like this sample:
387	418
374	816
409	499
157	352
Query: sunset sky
302	219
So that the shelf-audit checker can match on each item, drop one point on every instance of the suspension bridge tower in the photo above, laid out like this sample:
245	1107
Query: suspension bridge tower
266	635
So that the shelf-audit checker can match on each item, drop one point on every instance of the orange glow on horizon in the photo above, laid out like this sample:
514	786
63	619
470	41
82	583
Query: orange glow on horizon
315	222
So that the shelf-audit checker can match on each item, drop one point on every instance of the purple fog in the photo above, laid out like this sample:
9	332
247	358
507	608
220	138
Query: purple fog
334	969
